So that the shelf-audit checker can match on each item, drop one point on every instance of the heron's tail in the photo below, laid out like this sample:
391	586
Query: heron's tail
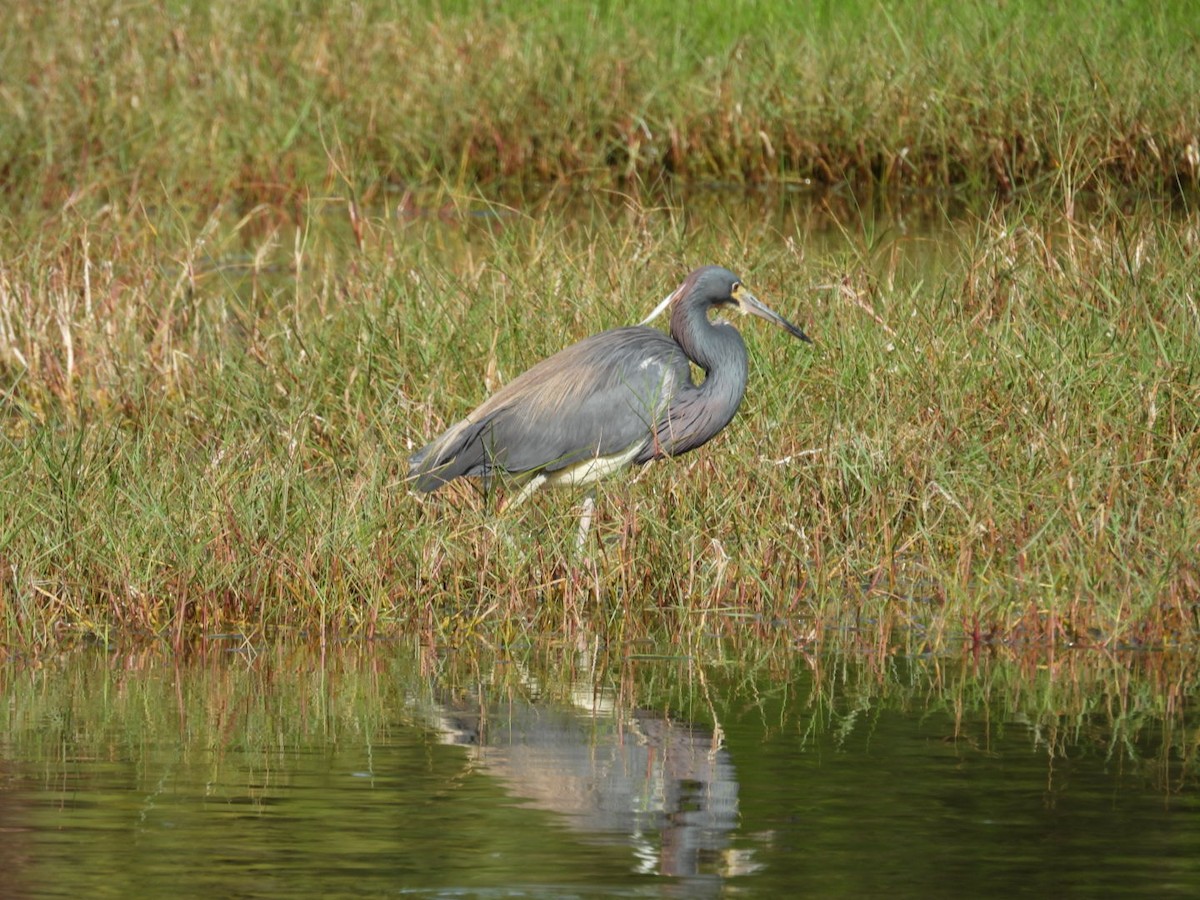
457	451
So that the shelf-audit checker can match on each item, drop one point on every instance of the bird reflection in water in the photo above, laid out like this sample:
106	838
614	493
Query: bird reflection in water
666	787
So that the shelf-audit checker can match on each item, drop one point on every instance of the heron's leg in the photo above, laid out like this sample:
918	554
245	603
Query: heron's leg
530	486
585	520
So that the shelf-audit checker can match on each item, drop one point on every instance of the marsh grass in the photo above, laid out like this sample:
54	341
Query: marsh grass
206	428
254	255
270	102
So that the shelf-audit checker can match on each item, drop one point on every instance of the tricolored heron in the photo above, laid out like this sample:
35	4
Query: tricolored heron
619	398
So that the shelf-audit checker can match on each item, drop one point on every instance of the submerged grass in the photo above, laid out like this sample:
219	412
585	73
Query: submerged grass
235	700
268	102
205	429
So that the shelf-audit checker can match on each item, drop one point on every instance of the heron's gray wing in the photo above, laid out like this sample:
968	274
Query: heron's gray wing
597	398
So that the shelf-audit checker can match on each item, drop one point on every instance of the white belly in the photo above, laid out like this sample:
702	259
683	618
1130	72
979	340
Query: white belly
594	469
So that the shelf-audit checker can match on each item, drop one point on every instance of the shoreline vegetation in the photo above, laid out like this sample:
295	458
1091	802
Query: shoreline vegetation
268	102
253	254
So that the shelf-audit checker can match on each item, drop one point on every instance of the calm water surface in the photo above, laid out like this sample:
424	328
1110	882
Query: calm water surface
390	771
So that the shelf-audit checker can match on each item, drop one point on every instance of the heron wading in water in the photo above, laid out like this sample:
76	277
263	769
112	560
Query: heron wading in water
619	398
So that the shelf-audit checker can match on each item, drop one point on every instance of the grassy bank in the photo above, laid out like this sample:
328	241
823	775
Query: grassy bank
252	256
257	102
206	429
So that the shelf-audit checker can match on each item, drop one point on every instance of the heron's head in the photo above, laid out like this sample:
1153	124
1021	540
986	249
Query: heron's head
714	286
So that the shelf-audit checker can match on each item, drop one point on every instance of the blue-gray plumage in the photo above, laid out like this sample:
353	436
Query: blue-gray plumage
620	397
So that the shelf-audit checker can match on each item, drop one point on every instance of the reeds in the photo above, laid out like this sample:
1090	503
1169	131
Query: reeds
205	429
271	102
253	255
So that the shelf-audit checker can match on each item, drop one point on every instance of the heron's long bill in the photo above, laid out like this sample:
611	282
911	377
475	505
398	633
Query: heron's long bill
748	303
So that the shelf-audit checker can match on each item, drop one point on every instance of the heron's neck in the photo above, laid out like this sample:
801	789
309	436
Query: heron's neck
699	411
717	349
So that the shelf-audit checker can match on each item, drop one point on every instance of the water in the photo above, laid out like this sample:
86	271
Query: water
389	770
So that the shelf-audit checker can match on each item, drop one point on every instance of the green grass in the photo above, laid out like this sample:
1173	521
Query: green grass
275	102
254	255
207	430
